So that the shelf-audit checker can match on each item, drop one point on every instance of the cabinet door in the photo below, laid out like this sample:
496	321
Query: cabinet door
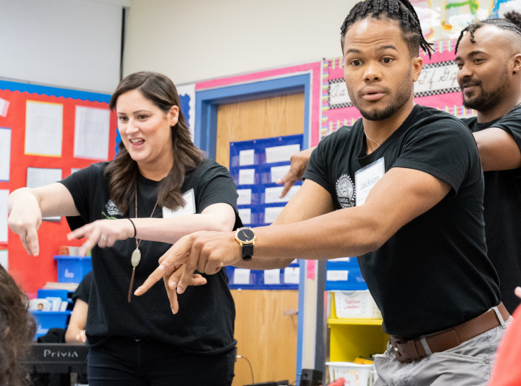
266	331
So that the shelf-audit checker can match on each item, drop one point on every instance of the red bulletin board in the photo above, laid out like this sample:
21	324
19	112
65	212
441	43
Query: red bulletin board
32	272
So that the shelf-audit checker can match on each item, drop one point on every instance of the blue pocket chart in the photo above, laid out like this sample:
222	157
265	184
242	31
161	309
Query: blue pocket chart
255	166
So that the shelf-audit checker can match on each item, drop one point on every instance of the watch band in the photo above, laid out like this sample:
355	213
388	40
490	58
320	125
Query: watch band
247	251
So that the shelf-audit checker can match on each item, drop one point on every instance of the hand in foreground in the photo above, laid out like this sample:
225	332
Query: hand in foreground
195	280
25	220
207	252
299	162
518	292
104	233
81	337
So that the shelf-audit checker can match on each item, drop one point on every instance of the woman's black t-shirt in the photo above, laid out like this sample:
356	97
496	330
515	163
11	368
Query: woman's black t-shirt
205	321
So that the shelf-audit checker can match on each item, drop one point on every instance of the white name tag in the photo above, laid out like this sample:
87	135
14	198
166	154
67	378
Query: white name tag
366	178
189	207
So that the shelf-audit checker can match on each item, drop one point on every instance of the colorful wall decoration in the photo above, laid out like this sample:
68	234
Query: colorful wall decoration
437	87
444	19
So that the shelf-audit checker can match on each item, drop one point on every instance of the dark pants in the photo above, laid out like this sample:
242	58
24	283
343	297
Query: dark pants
147	362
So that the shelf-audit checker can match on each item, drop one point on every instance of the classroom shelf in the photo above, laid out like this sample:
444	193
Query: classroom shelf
352	338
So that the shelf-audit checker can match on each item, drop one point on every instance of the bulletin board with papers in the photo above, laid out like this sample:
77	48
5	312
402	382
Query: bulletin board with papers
46	134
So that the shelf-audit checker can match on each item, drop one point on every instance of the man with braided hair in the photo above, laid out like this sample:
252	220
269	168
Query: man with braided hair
490	79
489	62
402	190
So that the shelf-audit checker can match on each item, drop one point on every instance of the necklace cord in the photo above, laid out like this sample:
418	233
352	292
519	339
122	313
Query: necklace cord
372	140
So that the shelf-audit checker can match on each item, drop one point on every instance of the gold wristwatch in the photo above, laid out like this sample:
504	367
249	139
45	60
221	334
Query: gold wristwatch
246	238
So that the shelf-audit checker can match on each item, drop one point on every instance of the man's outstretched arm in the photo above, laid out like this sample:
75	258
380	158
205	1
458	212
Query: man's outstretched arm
399	197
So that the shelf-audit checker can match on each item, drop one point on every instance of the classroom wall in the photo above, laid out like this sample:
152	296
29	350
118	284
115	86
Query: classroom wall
193	40
74	44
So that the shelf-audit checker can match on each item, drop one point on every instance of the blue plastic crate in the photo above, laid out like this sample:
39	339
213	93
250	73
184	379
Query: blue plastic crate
54	293
46	320
344	275
72	269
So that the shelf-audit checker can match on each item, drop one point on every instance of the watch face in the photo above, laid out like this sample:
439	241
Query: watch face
245	235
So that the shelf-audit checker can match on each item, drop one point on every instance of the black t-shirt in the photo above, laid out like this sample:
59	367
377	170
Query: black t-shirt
205	321
434	272
83	290
503	212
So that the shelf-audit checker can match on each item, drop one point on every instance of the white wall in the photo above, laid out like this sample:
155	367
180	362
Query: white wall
193	40
65	43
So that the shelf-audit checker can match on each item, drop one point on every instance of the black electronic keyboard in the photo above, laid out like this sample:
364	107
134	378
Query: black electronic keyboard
57	358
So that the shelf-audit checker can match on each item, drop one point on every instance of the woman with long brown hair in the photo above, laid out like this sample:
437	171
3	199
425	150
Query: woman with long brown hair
17	328
130	210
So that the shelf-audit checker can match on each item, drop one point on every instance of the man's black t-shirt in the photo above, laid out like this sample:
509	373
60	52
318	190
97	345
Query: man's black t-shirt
434	272
503	212
83	290
204	323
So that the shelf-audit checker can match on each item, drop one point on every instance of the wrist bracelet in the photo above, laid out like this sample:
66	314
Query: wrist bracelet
135	230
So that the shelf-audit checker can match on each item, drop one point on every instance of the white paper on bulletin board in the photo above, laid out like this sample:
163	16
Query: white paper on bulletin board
272	195
271	214
281	153
246	157
291	275
241	276
272	276
5	153
245	215
44	129
37	177
91	133
4	195
246	176
278	172
4	259
244	196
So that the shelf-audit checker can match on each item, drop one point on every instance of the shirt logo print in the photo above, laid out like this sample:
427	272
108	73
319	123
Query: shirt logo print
112	211
345	191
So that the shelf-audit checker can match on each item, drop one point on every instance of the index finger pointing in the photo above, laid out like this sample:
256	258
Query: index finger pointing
151	280
167	262
32	241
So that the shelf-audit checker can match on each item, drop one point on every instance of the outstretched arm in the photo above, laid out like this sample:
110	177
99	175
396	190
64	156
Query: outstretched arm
104	233
27	207
400	196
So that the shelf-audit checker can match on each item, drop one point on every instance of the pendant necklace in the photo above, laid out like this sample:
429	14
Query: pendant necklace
136	255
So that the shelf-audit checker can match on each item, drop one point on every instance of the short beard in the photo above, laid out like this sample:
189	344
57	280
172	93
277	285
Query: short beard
380	115
488	100
402	96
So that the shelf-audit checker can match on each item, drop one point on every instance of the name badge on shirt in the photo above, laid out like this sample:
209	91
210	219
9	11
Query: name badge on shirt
366	178
189	207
